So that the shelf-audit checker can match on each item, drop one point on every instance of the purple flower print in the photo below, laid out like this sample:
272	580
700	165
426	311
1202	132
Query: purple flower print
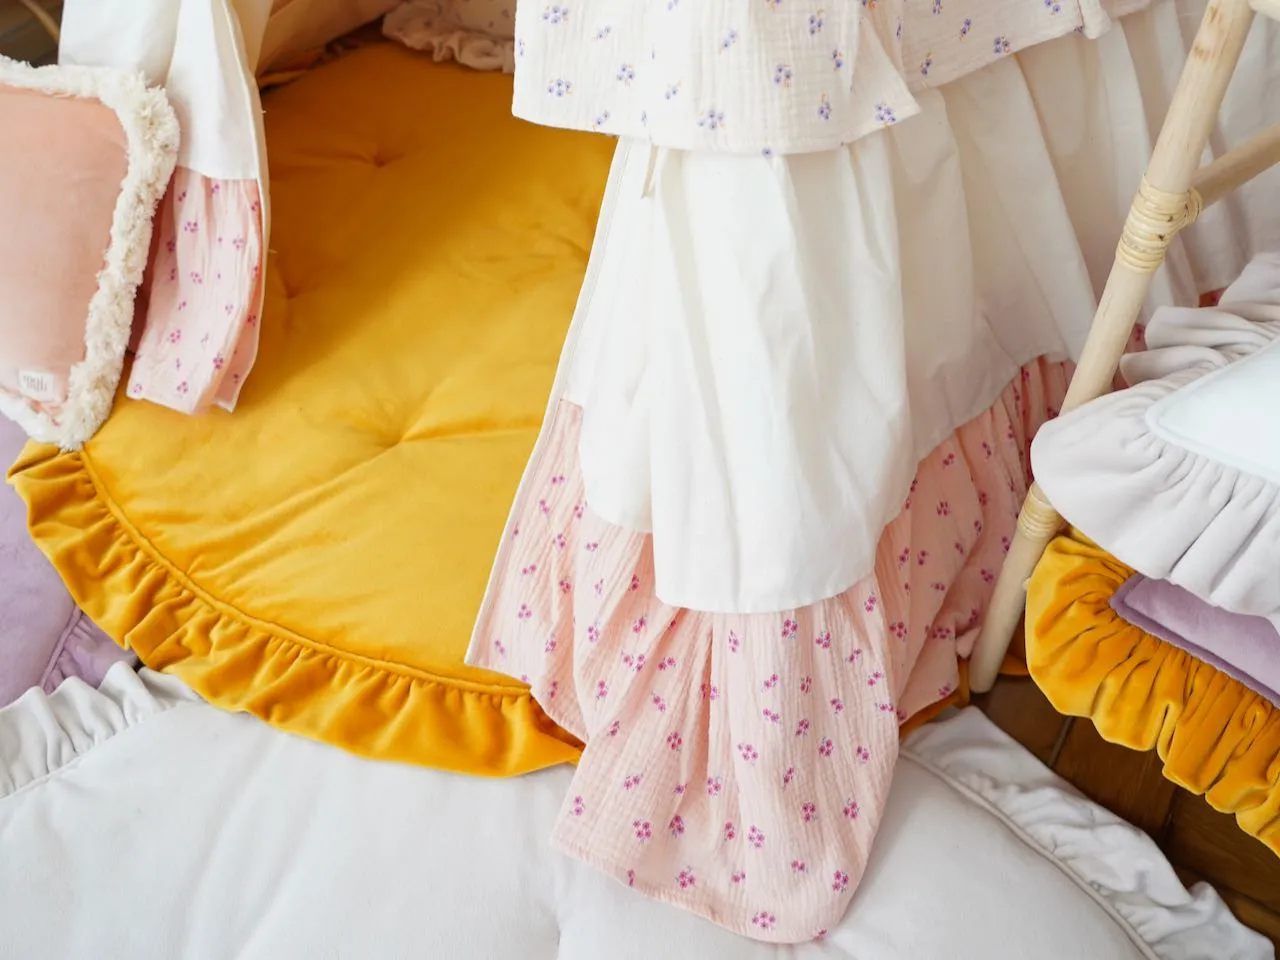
734	642
183	387
173	274
182	196
559	87
937	7
218	362
764	919
748	752
598	587
671	92
809	811
196	277
713	119
755	836
238	243
631	781
824	107
851	809
839	881
604	32
714	786
885	114
190	226
782	75
626	73
797	866
825	747
823	640
579	808
965	28
837	59
806	683
728	40
676	826
802	728
643	830
555	14
600	119
1000	45
729	830
686	879
926	65
815	23
177	363
674	740
862	753
175	336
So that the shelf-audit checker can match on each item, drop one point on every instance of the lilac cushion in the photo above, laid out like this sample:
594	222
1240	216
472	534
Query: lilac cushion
44	638
1245	648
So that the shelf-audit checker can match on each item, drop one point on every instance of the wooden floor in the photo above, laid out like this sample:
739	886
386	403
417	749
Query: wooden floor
1202	843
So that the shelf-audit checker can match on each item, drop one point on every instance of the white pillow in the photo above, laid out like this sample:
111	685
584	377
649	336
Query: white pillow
1178	476
243	841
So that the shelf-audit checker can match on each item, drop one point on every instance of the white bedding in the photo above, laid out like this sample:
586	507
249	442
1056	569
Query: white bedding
138	822
1178	476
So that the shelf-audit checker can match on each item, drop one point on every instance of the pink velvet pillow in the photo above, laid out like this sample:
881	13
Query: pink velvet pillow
85	156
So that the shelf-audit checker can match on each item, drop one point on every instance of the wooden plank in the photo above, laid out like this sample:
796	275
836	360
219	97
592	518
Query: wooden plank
1126	781
1248	911
1016	706
1211	844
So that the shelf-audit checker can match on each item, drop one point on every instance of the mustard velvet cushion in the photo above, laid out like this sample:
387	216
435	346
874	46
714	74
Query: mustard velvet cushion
318	557
1215	735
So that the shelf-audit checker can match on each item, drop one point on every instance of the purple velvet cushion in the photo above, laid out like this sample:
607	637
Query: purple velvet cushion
44	638
1245	648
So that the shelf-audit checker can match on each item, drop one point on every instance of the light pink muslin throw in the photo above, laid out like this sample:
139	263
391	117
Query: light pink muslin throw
200	336
737	765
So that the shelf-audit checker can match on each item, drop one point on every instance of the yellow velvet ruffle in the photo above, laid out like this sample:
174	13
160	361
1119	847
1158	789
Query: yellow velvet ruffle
317	558
1215	735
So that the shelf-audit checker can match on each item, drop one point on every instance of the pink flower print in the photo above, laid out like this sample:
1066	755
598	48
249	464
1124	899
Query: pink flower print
869	604
557	480
789	628
738	876
944	508
944	691
598	587
643	830
825	747
183	387
658	703
764	920
559	541
770	682
602	690
593	634
171	245
674	740
876	677
733	642
886	708
227	308
797	866
802	727
823	640
175	336
182	196
173	274
135	389
987	576
530	569
632	781
755	836
938	586
592	547
809	811
553	689
639	625
806	684
714	786
252	318
771	715
524	613
686	879
190	226
218	362
635	583
565	586
959	547
898	629
942	633
837	705
839	881
635	662
631	878
922	558
949	459
679	789
177	363
748	752
1004	543
862	753
788	776
578	807
982	498
549	647
676	826
667	663
977	526
987	451
238	243
821	934
614	728
544	508
577	511
499	648
196	277
851	809
854	655
730	831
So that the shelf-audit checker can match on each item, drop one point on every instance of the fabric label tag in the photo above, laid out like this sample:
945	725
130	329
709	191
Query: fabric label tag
38	385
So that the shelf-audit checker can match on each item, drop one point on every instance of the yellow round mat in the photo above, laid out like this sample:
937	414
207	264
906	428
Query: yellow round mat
318	557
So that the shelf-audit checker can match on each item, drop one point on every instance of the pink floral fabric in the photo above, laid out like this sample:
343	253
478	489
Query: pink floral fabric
737	766
200	335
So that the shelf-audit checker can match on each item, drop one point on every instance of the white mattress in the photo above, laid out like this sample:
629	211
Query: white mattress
138	822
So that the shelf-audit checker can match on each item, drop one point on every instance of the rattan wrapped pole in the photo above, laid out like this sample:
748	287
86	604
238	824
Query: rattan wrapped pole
1164	204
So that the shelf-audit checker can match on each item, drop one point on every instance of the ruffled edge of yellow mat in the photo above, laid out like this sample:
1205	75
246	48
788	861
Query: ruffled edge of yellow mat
1215	735
374	709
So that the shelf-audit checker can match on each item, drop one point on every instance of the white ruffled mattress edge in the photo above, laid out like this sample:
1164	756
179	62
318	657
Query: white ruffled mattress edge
45	737
1165	475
